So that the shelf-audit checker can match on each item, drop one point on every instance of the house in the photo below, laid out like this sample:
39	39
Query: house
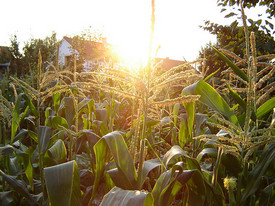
91	53
167	63
5	58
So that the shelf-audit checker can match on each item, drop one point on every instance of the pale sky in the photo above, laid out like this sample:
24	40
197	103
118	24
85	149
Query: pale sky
125	23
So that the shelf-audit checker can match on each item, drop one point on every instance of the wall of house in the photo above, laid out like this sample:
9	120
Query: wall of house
65	49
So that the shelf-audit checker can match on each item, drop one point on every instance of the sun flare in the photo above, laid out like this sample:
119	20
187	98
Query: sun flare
132	54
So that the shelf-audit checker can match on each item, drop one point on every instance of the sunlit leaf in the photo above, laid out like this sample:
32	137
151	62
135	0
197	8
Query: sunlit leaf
120	197
210	97
266	107
234	67
113	143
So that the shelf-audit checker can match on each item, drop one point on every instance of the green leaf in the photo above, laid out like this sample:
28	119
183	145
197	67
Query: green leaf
90	136
183	131
211	75
56	101
6	150
44	138
20	134
18	187
196	188
114	143
163	182
7	198
209	152
234	67
69	110
199	120
101	115
33	135
236	96
148	166
231	163
120	197
267	158
210	97
83	103
190	109
31	106
57	121
16	115
265	108
29	174
176	112
58	151
175	152
63	184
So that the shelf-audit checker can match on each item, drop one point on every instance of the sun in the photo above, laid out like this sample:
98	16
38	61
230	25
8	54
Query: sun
128	31
131	53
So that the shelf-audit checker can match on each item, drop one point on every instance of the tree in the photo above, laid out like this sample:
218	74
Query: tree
269	4
16	56
231	37
47	48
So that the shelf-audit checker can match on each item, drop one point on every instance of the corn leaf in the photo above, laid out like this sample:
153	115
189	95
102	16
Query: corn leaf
63	184
257	173
58	151
210	97
69	110
18	186
266	107
234	67
16	115
120	197
175	152
44	138
114	144
6	150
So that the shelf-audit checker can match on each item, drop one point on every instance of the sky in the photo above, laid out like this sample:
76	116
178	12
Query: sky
125	23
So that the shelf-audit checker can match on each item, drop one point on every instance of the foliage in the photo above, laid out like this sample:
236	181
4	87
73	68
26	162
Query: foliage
63	141
231	37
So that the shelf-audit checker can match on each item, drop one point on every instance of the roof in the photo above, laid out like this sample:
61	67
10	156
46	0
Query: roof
167	63
89	49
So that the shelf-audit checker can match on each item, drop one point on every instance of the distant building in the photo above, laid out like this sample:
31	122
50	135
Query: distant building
167	63
5	58
93	53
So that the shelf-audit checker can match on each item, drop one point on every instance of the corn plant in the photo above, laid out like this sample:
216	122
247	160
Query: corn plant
242	134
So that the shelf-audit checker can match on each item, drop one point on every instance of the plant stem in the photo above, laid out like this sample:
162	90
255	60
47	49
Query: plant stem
41	165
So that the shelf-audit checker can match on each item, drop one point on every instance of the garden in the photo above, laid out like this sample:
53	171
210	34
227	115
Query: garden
115	136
